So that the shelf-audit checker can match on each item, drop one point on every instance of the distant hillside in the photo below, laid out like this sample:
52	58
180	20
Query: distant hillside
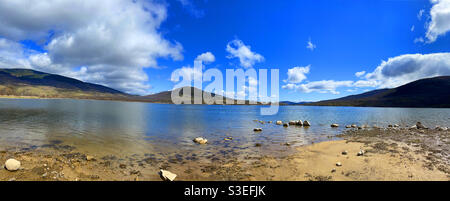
26	82
166	97
430	92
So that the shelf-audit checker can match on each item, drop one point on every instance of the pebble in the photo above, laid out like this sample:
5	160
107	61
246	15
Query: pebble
167	176
360	153
333	170
344	153
338	164
12	164
200	140
257	129
89	158
334	125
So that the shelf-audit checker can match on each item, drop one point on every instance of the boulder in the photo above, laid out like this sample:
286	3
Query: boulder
334	125
299	123
354	126
166	175
257	129
285	124
279	122
348	126
420	125
12	164
292	122
306	123
200	140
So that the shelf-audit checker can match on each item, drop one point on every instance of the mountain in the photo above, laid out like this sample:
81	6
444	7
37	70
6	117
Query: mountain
429	92
26	82
166	96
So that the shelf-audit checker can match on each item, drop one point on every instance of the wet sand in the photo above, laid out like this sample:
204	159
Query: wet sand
389	154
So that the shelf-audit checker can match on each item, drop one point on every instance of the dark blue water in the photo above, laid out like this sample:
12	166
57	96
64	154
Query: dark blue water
130	127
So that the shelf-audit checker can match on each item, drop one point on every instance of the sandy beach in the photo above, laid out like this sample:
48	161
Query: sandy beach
388	154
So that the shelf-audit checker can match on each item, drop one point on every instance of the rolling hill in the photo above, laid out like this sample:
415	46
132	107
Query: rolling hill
26	82
429	92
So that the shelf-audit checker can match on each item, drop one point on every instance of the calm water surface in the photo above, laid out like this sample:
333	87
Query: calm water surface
110	127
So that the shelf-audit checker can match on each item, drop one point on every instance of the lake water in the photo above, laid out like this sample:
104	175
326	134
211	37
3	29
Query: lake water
124	128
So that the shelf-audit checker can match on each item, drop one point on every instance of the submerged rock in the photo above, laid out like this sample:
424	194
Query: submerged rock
200	140
279	122
12	164
354	126
166	175
257	129
334	125
306	123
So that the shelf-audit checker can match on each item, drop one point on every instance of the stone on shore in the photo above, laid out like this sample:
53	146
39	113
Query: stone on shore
420	125
338	164
12	164
348	126
89	158
354	126
200	140
344	152
306	123
257	129
360	153
279	122
285	124
334	125
166	175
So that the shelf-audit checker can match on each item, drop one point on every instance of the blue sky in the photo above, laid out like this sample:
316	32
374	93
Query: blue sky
347	36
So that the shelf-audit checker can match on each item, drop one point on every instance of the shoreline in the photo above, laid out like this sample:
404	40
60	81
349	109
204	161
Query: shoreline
389	154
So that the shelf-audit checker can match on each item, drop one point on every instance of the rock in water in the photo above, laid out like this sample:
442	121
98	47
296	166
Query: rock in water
334	125
200	140
348	126
12	164
299	123
420	126
257	129
285	125
306	123
354	126
292	122
279	122
166	175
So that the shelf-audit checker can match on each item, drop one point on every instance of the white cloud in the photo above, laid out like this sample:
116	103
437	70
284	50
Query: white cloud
247	58
406	68
113	39
310	45
323	86
419	40
187	73
359	74
412	28
440	20
206	58
366	83
420	14
297	74
192	9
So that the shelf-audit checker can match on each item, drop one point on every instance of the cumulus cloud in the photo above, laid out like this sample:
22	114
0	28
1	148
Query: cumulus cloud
187	73
297	74
206	58
406	68
112	39
440	20
310	45
359	74
323	86
247	58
